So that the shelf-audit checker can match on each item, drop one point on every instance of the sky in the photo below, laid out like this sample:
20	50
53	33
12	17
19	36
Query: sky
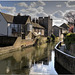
36	8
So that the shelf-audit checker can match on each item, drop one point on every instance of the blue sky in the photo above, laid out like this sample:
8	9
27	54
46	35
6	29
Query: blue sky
56	9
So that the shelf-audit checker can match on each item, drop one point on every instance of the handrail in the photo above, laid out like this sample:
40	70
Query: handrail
56	48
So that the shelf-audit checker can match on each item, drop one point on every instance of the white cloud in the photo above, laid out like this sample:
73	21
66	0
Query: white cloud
9	9
33	4
59	22
58	5
38	11
41	3
70	3
58	14
22	4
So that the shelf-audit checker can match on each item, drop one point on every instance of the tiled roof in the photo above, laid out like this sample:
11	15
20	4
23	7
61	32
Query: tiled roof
64	26
20	19
15	19
36	25
7	17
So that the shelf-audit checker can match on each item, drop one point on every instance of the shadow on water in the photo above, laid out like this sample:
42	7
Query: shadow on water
32	60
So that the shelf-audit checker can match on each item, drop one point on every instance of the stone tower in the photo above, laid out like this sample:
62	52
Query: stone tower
47	23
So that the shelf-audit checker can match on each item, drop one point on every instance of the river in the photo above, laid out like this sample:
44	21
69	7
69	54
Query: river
31	61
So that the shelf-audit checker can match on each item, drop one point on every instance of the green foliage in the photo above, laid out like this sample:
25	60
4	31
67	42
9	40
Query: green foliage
53	37
48	39
69	39
65	34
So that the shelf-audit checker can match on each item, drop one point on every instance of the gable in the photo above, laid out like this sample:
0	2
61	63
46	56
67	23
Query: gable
7	17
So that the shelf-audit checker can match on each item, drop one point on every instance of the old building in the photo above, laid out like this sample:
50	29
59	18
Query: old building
15	26
19	26
38	29
57	31
24	27
65	26
46	22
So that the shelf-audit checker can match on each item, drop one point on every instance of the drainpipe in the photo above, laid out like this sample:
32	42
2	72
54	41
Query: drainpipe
74	27
7	29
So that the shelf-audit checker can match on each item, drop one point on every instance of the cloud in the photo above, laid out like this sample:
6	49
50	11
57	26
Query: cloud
70	3
58	5
22	4
59	22
58	14
68	17
9	9
33	4
41	3
32	10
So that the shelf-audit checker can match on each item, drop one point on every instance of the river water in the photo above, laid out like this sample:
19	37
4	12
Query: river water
31	61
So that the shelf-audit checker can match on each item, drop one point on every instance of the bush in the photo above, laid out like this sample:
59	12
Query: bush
48	39
65	34
69	39
53	37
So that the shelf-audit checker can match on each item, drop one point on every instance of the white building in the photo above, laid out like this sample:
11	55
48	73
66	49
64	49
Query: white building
5	23
12	25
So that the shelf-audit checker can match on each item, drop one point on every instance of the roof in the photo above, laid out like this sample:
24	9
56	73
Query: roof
15	19
56	26
64	26
20	19
36	25
7	17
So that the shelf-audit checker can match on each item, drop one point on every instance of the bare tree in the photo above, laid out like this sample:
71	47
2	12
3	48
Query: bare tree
70	17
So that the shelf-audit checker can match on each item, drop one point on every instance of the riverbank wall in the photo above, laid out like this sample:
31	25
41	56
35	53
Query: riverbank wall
7	41
66	60
19	44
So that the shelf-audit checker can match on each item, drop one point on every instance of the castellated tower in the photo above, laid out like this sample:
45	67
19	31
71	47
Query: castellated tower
47	23
41	21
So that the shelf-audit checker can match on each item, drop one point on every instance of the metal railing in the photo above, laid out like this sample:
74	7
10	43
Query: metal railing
57	48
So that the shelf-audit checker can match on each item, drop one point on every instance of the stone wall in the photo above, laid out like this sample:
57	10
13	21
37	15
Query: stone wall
72	49
7	41
66	60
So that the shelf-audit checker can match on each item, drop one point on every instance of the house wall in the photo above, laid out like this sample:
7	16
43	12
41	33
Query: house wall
56	31
28	34
74	29
17	28
3	26
9	29
38	30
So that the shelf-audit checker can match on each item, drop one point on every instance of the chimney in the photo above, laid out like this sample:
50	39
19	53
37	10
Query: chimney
19	14
37	21
33	20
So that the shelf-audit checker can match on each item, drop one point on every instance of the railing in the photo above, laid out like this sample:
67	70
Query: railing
65	59
57	48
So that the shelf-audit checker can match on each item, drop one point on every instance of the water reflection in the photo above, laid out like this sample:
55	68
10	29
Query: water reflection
33	60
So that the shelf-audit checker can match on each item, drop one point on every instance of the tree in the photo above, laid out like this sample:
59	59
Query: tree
70	17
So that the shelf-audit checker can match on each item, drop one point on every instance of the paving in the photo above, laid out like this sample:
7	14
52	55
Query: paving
62	48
